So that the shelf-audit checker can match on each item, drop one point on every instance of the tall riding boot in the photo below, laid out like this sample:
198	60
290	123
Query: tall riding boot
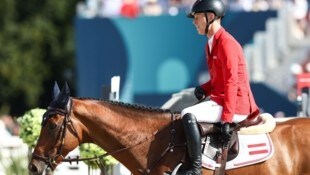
193	143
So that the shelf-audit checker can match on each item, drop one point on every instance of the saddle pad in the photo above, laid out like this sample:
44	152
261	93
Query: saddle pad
252	149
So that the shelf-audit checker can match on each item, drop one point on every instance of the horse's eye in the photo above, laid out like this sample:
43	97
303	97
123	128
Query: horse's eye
52	125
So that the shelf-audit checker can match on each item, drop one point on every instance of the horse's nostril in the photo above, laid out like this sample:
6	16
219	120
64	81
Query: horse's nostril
32	168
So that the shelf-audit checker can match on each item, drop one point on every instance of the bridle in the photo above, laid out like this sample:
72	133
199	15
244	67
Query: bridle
53	161
51	111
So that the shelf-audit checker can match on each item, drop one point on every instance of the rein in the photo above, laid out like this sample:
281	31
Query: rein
52	162
170	147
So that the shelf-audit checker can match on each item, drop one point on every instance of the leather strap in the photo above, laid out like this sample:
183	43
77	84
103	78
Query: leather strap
222	159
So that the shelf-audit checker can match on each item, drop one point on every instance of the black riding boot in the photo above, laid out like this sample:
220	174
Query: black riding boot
193	143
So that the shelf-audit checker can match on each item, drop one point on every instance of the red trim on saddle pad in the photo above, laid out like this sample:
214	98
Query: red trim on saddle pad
258	152
256	145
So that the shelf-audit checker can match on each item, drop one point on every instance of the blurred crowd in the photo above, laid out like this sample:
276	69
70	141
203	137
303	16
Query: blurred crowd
8	125
9	131
134	8
301	68
299	9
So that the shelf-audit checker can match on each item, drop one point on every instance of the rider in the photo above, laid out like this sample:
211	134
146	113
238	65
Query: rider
231	99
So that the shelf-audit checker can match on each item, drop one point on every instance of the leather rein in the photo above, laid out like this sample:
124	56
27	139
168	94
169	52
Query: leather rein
55	160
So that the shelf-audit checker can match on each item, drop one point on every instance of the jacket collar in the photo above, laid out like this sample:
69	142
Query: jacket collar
215	38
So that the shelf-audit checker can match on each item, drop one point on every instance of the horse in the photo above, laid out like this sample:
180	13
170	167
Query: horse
148	140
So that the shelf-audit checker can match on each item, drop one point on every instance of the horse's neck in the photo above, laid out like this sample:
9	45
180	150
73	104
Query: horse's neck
128	134
120	126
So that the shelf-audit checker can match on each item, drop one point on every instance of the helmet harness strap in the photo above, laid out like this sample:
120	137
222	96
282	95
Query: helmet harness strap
209	23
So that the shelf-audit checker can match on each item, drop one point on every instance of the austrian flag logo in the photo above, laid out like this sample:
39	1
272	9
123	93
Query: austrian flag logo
260	148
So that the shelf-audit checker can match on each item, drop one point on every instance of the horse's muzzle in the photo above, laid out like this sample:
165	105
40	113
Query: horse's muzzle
36	168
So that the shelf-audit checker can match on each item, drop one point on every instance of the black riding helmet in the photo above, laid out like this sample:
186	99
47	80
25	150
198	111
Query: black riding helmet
215	6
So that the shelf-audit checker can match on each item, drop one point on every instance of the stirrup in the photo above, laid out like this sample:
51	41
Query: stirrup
174	172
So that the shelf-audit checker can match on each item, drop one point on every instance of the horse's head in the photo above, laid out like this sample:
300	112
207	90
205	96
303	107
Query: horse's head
58	135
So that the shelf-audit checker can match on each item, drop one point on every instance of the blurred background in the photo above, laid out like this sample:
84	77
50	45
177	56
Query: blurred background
151	45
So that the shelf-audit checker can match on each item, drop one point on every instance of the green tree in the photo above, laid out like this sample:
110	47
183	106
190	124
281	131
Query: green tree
36	48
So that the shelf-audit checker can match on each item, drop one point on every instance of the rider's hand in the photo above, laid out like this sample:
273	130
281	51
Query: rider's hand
225	133
199	93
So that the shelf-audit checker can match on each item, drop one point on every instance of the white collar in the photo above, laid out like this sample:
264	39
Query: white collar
210	42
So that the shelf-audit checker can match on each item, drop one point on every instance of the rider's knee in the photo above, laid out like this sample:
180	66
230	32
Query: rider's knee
189	118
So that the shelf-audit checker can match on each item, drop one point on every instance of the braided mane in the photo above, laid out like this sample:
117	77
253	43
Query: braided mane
128	105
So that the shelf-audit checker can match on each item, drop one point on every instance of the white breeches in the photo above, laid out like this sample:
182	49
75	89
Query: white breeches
210	112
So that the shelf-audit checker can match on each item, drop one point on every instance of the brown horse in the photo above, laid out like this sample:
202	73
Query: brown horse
148	141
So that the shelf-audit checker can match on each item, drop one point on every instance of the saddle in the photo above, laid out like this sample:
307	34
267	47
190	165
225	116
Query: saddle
213	147
209	128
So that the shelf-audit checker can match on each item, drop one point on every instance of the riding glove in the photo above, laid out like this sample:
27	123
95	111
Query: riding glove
199	93
225	133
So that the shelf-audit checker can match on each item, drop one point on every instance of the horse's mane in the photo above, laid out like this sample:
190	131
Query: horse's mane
128	105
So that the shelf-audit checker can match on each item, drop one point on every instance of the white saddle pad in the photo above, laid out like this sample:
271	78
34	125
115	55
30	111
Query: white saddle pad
252	149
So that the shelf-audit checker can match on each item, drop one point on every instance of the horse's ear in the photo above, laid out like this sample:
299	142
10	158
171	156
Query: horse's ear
66	89
56	91
63	97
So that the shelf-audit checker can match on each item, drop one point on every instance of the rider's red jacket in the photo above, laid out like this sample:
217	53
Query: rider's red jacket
229	82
